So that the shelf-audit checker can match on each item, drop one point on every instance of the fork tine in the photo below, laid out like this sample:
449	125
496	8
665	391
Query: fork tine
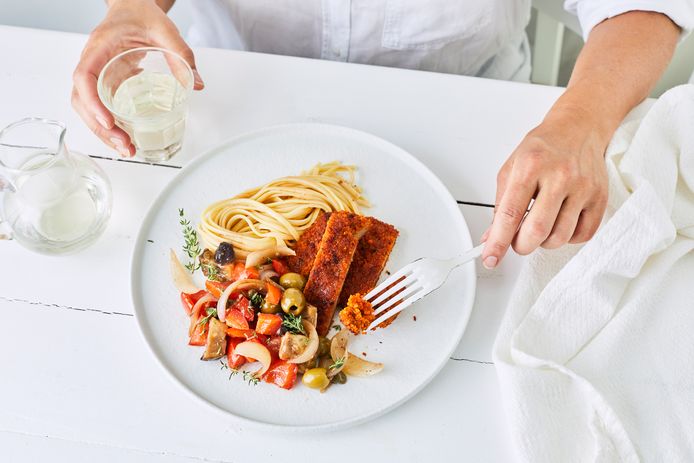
397	298
398	307
389	281
395	288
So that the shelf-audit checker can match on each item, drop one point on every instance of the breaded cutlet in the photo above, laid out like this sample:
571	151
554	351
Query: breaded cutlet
343	231
369	259
307	246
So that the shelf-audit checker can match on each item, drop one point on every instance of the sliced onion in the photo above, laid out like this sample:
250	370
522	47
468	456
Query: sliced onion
338	350
241	284
182	278
311	314
258	257
206	298
255	351
267	275
357	366
311	347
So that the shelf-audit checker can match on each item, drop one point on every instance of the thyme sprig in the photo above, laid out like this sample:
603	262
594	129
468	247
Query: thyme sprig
337	364
211	312
250	378
293	324
191	244
212	271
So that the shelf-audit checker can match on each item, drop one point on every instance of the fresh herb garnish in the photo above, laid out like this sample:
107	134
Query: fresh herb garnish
256	299
250	378
211	271
211	312
293	324
191	244
232	371
337	364
337	327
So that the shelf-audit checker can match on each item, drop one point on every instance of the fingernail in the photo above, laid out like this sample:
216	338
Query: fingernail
197	78
103	122
490	262
118	145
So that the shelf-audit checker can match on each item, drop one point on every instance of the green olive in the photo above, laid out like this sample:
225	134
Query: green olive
323	346
340	378
270	308
293	301
292	280
316	378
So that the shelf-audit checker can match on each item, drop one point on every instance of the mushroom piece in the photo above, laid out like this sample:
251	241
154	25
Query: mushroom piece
216	340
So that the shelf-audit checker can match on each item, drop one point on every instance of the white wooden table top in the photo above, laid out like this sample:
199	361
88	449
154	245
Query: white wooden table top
77	382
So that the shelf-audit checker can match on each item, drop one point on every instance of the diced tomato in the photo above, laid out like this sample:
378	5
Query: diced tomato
268	323
197	332
273	345
235	319
216	288
279	266
281	373
189	300
274	293
251	273
243	305
238	271
234	360
237	333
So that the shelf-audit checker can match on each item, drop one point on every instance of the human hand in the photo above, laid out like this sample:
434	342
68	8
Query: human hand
128	24
560	164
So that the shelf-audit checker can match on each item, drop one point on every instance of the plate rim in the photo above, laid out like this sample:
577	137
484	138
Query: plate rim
430	177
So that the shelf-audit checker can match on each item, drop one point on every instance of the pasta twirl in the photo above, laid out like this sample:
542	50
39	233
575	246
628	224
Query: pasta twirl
275	214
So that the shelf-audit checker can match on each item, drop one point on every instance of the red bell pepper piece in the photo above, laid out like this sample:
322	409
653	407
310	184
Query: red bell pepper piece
268	323
282	374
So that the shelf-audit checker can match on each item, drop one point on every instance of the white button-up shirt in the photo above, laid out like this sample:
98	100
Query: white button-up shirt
483	38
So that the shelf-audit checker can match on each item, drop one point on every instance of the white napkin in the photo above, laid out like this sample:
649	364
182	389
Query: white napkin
595	355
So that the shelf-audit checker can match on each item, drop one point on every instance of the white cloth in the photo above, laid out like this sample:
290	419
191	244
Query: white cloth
595	355
484	38
592	12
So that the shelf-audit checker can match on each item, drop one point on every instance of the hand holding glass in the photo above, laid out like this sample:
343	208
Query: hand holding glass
146	90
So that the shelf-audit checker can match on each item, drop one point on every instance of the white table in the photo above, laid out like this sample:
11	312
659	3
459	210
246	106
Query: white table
77	382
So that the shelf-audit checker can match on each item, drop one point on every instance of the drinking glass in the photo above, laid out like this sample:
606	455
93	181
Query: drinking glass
146	89
53	201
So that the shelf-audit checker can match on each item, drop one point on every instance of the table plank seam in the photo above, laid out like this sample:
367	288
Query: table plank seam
67	307
156	164
462	359
473	203
164	453
133	161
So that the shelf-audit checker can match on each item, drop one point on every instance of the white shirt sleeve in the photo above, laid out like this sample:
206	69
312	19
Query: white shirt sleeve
592	12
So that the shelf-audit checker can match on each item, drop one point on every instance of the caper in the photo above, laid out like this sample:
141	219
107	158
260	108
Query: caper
292	280
270	308
340	378
225	253
323	346
325	362
293	301
316	378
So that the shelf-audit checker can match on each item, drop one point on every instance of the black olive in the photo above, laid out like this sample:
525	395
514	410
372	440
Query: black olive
225	254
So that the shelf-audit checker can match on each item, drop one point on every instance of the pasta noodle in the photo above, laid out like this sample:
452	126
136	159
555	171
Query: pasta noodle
275	214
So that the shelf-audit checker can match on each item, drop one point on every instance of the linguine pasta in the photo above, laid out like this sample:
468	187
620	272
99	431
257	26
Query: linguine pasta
275	214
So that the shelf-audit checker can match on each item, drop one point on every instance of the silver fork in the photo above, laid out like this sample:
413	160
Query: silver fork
413	282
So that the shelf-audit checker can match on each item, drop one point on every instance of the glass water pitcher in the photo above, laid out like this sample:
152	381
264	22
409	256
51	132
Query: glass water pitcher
53	201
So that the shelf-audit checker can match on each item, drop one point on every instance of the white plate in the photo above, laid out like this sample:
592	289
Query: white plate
403	192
